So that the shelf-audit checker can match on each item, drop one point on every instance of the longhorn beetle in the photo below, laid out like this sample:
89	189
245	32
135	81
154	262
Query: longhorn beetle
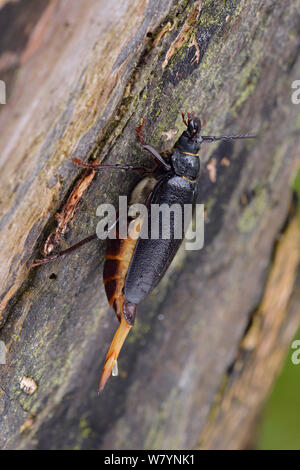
134	266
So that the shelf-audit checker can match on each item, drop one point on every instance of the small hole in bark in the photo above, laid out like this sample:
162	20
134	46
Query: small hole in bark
53	276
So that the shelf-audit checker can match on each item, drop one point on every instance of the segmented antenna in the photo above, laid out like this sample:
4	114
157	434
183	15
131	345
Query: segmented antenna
213	138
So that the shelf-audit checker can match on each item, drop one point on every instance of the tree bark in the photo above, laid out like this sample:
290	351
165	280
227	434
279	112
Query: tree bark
210	340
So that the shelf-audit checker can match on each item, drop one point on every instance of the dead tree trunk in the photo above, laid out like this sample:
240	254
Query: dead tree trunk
210	340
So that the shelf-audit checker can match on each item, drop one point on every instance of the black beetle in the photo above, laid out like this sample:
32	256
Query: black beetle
134	267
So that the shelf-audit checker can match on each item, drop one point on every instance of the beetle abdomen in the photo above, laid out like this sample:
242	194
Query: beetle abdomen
119	252
118	256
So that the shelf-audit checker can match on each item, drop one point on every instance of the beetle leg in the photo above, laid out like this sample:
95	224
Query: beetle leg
158	158
69	250
183	118
93	166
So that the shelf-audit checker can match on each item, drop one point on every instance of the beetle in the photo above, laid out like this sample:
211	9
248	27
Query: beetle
134	266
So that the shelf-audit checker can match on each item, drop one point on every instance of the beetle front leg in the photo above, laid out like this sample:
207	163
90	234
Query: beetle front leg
158	158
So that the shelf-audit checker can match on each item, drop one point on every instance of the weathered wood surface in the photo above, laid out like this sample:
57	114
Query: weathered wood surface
80	76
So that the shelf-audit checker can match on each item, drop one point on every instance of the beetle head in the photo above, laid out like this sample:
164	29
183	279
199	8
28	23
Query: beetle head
193	125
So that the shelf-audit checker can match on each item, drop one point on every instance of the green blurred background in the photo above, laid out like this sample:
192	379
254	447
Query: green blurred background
280	422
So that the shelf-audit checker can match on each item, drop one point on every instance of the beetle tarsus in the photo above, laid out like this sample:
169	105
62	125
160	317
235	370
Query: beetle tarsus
139	132
39	262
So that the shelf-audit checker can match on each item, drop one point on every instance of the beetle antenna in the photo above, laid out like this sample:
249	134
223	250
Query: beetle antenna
213	138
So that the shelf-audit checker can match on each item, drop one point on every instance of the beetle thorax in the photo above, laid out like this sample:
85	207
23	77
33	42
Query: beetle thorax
185	164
